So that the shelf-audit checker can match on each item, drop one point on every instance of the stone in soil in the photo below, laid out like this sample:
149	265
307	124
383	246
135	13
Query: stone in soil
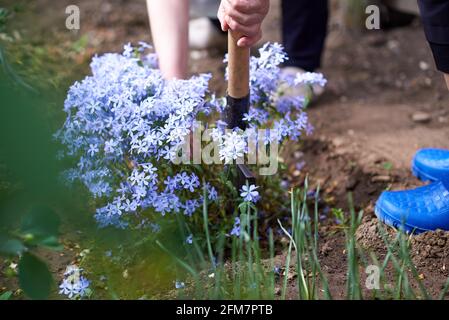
421	117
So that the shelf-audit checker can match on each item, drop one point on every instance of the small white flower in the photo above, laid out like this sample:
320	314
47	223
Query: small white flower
233	147
310	78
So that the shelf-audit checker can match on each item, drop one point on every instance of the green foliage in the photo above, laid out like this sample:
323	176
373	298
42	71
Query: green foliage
39	228
11	73
34	277
304	239
29	170
247	275
26	152
354	291
387	165
4	14
40	222
81	44
11	247
6	295
339	216
37	60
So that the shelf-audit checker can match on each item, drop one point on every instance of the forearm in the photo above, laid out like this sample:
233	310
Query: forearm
446	76
169	20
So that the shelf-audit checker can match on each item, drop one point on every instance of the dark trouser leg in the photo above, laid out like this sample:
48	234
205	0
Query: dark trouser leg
304	28
435	18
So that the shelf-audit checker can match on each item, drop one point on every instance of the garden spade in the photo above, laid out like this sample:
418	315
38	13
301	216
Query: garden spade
238	97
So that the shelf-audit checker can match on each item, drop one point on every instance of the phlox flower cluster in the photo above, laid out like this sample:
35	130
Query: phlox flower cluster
271	108
74	284
124	125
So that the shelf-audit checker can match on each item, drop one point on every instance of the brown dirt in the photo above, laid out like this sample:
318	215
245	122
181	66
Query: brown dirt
365	136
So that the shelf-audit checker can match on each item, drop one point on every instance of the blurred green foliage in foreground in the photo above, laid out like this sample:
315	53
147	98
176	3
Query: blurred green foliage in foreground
30	189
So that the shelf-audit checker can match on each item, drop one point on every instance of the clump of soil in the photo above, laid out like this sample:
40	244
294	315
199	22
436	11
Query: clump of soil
430	246
369	237
427	250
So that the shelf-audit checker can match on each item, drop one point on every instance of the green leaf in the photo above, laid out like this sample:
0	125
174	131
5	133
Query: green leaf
5	295
34	277
81	44
231	187
40	222
243	207
387	166
11	247
199	169
51	243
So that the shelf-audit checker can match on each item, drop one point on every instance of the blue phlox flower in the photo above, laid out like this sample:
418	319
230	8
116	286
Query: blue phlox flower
93	149
179	285
172	184
310	78
236	228
212	193
190	206
74	284
192	183
249	193
125	124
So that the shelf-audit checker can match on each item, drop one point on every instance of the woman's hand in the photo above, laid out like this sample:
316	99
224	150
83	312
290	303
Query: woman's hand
244	17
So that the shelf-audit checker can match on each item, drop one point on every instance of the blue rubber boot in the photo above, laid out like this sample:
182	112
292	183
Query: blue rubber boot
425	208
419	210
431	165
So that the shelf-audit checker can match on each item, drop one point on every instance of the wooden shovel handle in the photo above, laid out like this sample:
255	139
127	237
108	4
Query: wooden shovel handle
238	67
